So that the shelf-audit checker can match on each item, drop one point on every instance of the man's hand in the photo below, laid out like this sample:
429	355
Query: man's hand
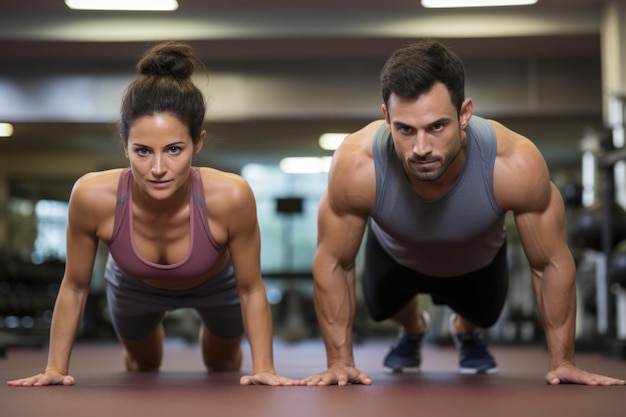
338	376
570	374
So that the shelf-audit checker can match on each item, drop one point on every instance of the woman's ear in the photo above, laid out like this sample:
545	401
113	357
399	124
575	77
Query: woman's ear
198	146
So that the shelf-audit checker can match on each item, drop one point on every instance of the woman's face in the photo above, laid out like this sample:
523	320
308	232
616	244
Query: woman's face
160	152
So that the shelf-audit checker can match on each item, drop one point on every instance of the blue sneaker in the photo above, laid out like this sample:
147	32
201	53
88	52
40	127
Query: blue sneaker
405	356
474	355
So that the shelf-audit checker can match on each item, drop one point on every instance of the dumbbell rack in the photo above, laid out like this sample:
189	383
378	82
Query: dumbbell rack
27	296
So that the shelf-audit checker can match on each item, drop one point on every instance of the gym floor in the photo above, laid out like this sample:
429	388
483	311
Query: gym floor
182	388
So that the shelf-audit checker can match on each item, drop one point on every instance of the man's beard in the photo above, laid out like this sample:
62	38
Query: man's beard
435	172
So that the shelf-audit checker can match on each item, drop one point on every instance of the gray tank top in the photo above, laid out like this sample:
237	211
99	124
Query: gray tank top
459	233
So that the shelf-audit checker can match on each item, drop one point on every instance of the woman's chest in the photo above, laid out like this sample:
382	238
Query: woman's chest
162	240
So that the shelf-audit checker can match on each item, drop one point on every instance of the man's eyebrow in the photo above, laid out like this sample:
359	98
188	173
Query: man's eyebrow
400	124
442	120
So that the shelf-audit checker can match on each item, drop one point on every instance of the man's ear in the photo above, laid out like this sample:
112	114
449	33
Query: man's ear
466	112
385	113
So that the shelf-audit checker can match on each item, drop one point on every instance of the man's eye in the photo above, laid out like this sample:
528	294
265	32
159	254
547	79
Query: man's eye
437	127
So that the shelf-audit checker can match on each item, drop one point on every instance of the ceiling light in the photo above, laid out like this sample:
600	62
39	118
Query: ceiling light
143	5
6	130
331	141
305	165
435	4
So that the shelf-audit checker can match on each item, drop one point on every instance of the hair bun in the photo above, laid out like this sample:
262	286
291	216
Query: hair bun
168	59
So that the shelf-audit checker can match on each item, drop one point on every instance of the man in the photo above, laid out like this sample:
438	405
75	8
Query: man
431	185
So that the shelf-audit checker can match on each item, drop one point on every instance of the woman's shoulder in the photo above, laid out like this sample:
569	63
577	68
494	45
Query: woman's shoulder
97	187
212	177
93	202
101	176
226	187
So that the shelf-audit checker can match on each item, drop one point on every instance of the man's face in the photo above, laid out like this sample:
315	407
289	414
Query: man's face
427	132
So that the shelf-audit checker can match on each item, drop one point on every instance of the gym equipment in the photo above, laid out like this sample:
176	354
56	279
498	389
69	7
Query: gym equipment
600	229
588	233
572	195
617	267
27	296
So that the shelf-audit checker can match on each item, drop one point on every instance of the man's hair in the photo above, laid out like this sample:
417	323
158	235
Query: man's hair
413	70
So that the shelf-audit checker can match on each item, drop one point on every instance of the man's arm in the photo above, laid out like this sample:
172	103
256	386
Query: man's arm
523	185
342	218
339	238
553	271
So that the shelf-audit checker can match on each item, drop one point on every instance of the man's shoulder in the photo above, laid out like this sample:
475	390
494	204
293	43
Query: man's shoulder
372	128
352	178
360	142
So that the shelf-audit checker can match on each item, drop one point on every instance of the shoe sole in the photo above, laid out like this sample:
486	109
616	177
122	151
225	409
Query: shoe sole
474	371
403	370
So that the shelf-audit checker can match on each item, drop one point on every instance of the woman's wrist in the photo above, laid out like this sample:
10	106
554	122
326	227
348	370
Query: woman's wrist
55	371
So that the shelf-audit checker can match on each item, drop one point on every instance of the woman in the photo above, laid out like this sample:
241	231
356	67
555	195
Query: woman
178	236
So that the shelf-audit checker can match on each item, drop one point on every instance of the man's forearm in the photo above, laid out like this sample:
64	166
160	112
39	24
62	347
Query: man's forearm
557	307
335	306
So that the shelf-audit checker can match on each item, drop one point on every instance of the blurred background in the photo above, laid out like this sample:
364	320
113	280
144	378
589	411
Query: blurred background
282	73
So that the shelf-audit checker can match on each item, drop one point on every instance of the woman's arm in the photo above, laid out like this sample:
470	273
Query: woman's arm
69	307
244	245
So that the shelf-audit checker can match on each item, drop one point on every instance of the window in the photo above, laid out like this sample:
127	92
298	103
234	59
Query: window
288	235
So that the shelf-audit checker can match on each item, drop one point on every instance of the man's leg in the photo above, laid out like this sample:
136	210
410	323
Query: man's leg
475	357
388	295
410	320
461	325
405	356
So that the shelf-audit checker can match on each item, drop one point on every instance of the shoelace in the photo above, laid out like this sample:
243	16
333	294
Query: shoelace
474	346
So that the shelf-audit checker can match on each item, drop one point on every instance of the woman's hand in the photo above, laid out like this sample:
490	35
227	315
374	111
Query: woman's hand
51	377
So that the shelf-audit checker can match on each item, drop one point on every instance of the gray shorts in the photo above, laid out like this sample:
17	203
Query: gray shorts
137	308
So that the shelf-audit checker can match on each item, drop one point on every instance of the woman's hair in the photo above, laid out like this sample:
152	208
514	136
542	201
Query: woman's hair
163	85
413	70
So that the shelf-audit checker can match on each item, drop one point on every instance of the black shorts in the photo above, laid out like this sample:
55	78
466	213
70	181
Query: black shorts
478	296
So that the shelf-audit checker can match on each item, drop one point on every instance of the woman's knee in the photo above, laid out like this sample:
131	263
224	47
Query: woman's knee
145	354
221	354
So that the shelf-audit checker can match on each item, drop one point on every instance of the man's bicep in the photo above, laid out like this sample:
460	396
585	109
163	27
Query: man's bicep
339	232
542	232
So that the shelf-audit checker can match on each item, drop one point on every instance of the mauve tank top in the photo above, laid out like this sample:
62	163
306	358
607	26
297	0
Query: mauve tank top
456	234
203	251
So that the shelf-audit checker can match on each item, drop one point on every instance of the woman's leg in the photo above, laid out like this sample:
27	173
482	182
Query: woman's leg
146	354
220	354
